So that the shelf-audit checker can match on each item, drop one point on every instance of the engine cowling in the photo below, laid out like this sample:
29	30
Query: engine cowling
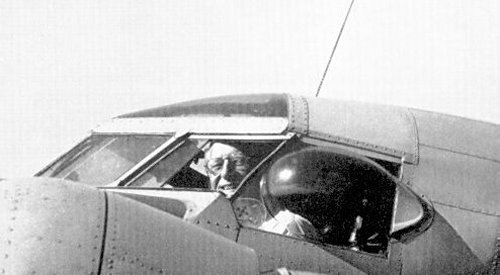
52	226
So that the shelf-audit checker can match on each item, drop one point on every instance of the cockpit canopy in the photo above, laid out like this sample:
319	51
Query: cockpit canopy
332	189
263	105
299	160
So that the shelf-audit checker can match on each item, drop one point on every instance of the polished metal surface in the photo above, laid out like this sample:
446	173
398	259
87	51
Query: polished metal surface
50	226
275	251
377	128
460	135
440	250
144	240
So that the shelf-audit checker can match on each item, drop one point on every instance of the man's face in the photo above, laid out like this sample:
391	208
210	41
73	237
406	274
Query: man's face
226	166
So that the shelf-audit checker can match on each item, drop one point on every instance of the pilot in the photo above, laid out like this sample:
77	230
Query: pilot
226	167
313	185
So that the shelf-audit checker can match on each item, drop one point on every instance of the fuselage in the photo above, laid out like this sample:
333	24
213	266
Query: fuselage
424	189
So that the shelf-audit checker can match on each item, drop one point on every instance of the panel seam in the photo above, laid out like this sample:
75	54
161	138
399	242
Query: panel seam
460	153
467	209
105	229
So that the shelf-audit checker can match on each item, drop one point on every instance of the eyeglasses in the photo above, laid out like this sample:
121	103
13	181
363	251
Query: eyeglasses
237	163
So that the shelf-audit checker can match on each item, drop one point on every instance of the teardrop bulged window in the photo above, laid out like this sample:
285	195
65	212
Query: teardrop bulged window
347	198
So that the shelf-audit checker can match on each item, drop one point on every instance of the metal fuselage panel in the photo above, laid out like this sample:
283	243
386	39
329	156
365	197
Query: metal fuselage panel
53	226
456	134
50	227
440	250
465	192
275	251
459	171
141	239
383	129
209	210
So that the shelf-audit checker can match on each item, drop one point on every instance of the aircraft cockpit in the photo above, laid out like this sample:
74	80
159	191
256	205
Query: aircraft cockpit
256	155
305	184
332	196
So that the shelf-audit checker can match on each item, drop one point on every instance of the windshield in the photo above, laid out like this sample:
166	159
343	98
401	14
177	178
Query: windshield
204	164
180	167
101	159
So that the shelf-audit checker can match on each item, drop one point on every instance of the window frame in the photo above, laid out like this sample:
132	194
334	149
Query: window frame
68	153
150	160
179	139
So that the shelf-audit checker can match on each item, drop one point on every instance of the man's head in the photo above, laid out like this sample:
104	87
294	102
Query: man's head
226	166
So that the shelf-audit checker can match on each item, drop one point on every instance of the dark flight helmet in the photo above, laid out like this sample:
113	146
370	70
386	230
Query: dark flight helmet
320	184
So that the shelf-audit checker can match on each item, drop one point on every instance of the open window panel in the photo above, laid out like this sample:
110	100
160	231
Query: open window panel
361	215
184	164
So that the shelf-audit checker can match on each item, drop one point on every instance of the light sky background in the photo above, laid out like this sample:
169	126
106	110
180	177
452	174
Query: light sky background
67	65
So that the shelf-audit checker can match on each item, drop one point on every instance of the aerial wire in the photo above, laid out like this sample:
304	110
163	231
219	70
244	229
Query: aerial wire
334	48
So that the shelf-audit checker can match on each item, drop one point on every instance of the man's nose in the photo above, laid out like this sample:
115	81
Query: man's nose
225	169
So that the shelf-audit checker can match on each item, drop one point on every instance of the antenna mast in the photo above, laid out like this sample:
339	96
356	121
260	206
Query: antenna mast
334	48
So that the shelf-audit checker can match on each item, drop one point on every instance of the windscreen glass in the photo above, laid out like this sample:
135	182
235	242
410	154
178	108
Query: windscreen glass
179	168
205	164
101	159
